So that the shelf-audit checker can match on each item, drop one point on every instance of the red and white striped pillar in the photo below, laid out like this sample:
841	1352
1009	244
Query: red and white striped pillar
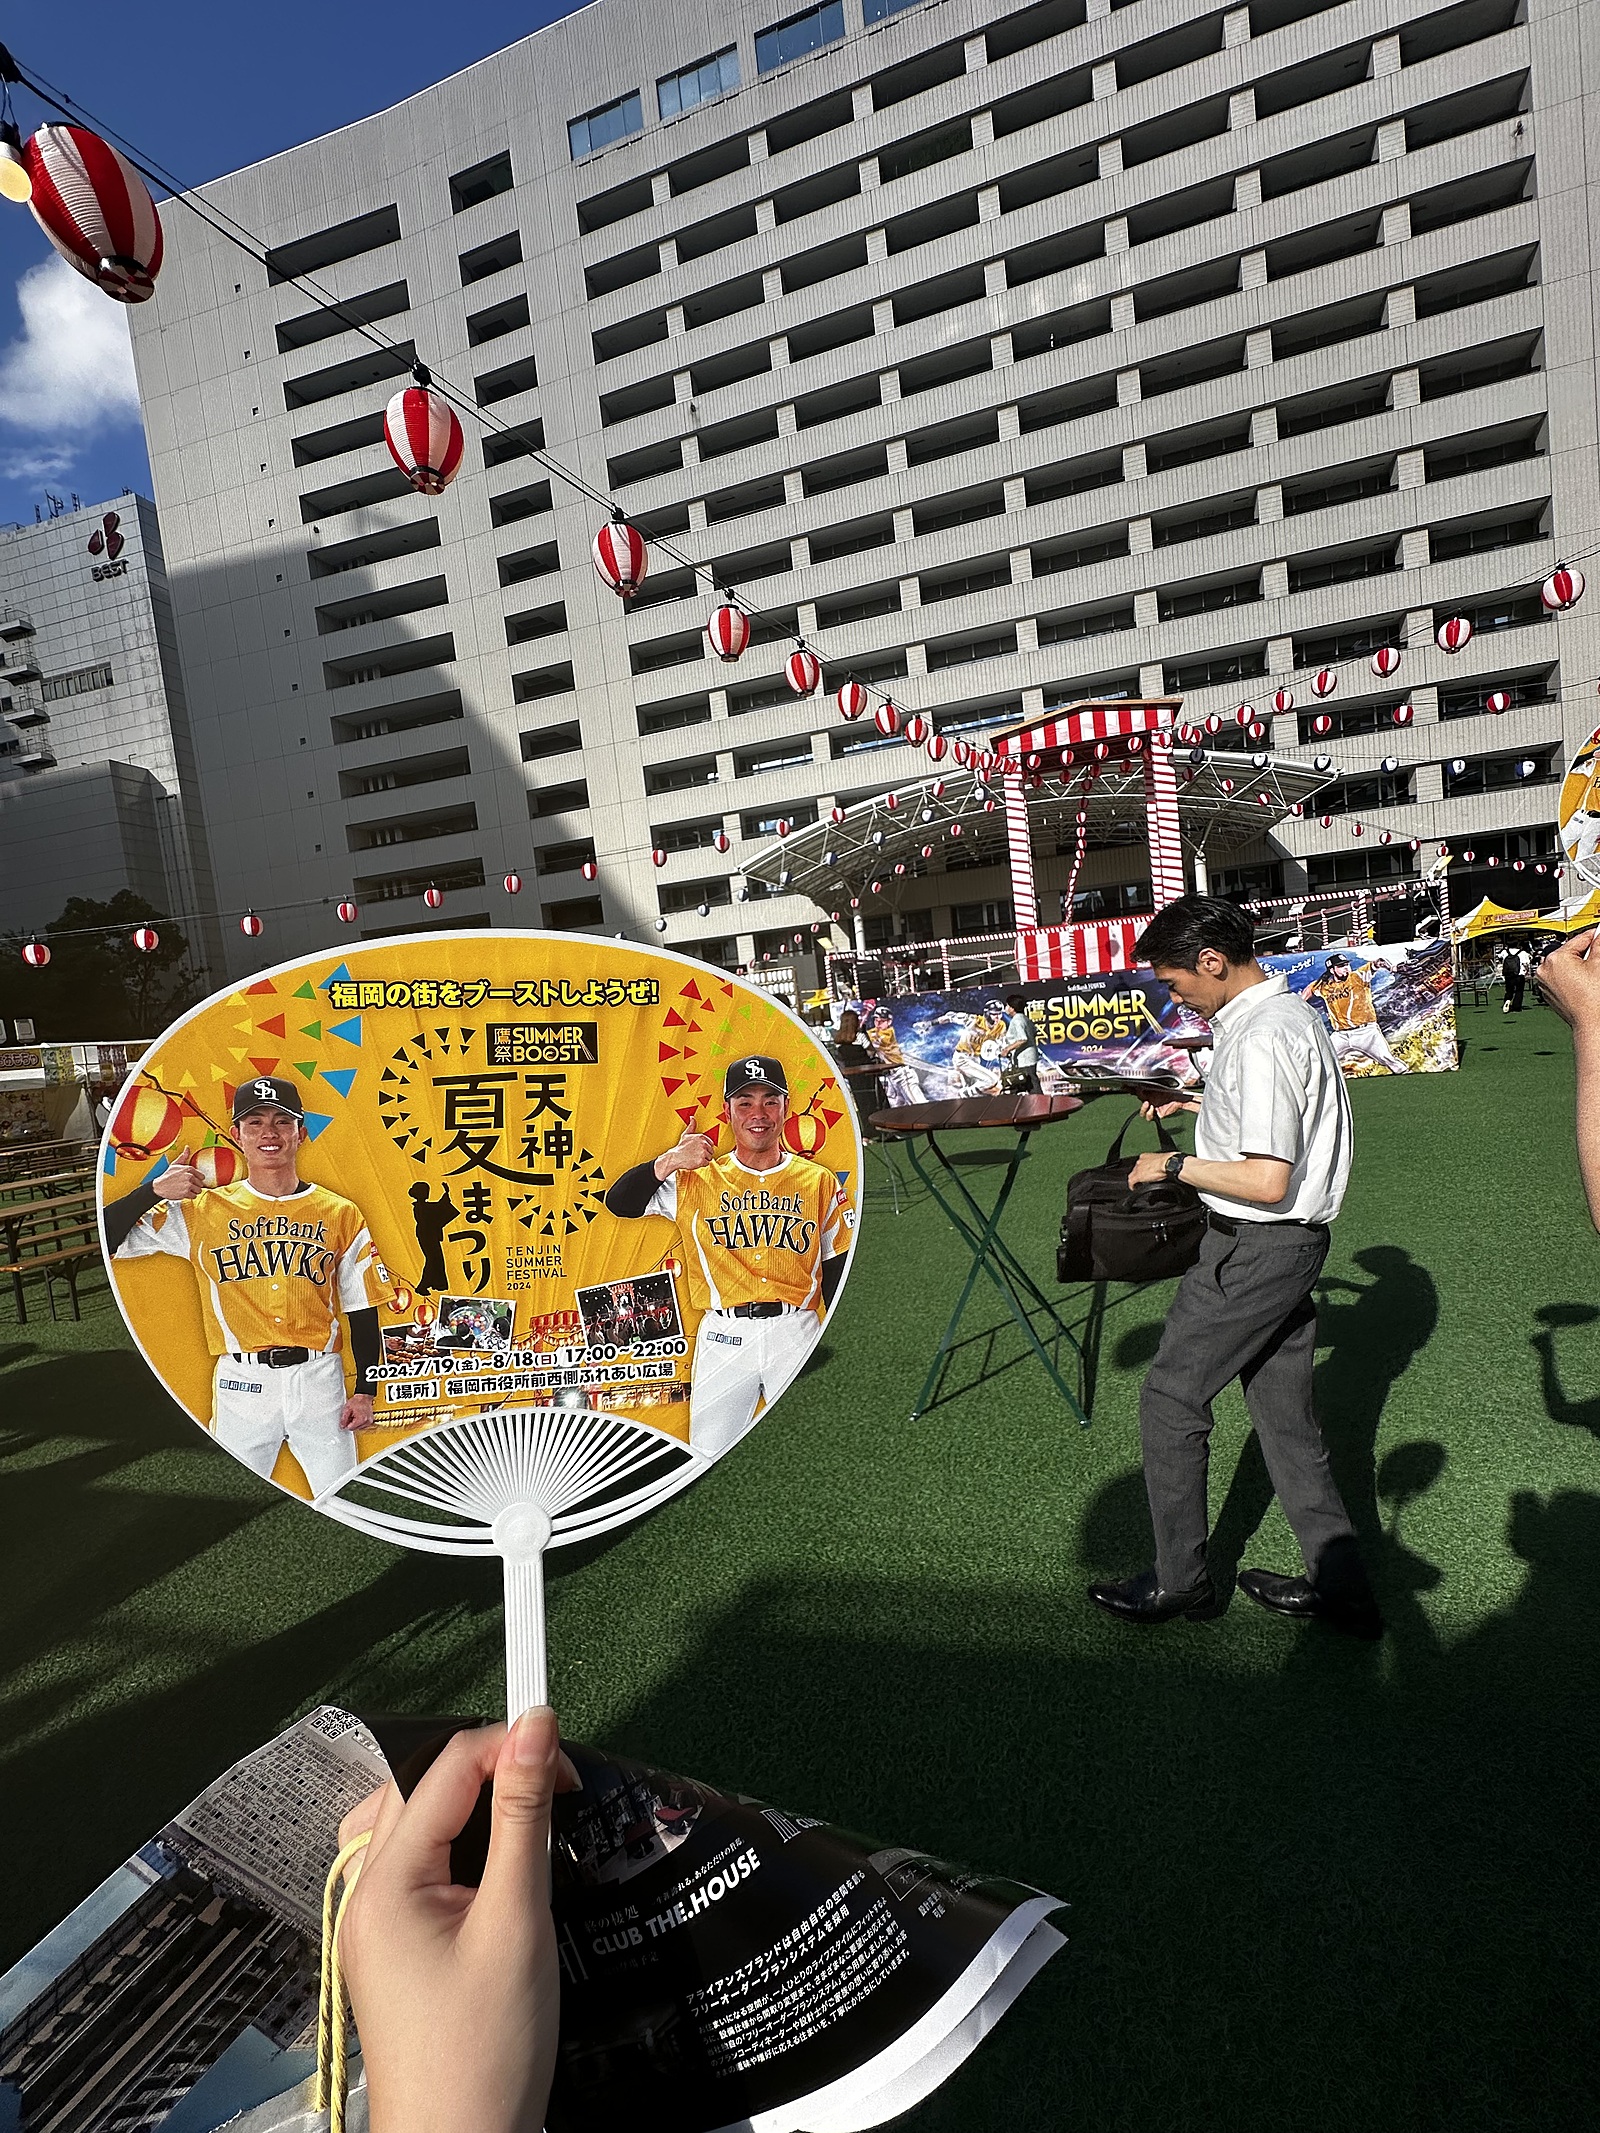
1024	895
1166	846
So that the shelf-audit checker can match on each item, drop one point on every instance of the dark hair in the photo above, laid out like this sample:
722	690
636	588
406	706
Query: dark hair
1175	937
1017	1003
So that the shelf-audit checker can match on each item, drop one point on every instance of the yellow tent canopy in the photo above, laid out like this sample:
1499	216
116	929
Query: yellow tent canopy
1574	917
1495	918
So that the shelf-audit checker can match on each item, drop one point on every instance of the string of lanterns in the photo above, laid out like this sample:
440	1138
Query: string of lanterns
94	207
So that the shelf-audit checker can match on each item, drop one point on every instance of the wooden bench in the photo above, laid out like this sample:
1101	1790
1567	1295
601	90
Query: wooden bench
53	1242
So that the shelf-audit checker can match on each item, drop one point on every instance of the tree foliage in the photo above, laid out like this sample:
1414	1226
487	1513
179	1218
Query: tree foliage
97	983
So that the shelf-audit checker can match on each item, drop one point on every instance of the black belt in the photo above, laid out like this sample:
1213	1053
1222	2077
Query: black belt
275	1358
1230	1228
766	1310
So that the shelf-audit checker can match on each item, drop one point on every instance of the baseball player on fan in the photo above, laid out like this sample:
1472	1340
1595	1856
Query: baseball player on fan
764	1237
277	1260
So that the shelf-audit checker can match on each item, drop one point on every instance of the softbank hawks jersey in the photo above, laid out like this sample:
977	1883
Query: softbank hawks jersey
755	1236
1348	999
274	1273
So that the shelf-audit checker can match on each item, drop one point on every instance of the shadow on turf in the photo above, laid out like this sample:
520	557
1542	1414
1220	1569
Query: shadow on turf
1311	1884
1574	1414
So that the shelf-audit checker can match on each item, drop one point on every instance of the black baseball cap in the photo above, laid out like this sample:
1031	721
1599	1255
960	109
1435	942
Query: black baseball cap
266	1089
758	1071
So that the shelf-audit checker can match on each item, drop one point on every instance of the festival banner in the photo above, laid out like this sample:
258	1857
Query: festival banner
1578	810
1388	1010
455	1128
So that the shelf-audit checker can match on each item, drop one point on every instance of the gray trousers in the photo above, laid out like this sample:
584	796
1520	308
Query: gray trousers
1244	1310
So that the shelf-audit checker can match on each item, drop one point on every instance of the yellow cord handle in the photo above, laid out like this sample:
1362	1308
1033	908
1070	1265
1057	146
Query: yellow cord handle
332	2072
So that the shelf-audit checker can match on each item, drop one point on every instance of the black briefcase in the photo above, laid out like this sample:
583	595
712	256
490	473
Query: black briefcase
1110	1232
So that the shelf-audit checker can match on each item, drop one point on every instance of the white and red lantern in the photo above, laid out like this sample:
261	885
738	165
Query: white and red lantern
1297	808
250	926
886	718
1326	821
589	870
727	631
1283	700
1324	682
348	911
1243	714
720	840
1227	785
1385	661
1213	725
1356	830
35	954
513	885
1469	854
955	829
424	439
916	729
96	210
891	800
927	851
852	700
1403	714
146	939
658	857
1497	701
1386	836
782	826
1454	634
1491	861
836	813
1321	724
803	672
962	751
622	557
1562	589
938	747
433	896
937	790
1135	746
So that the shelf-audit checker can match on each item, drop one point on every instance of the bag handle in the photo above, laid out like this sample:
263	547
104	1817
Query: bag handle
1168	1145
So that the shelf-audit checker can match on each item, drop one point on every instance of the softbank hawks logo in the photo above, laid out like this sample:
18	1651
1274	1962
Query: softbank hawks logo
107	541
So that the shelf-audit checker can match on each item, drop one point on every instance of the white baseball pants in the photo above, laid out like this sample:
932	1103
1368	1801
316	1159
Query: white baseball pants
255	1411
738	1363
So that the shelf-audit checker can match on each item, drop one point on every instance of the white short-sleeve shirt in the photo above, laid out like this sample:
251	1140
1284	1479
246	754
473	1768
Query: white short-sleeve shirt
1274	1088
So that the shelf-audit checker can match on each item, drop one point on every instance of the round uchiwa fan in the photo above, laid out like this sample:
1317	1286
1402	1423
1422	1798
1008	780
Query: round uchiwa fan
513	1483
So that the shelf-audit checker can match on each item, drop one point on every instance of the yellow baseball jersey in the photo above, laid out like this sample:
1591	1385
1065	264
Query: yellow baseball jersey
1348	999
273	1273
755	1236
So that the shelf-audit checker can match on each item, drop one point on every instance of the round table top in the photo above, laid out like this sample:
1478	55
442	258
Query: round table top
967	1111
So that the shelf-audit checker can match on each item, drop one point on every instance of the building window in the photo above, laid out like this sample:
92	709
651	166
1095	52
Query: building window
800	34
605	124
880	10
680	92
78	683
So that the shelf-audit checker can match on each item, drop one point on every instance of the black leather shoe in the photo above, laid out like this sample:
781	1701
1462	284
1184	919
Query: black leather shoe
1298	1598
1141	1599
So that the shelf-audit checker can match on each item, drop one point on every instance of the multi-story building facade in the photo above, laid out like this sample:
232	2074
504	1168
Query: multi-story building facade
1009	356
97	788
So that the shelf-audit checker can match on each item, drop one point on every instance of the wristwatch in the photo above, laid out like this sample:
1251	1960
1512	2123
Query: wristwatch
1174	1166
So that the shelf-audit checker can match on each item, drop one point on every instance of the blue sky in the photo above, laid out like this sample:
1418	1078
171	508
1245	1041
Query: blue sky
203	89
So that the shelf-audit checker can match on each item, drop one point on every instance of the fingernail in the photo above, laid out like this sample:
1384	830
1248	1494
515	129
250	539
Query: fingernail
529	1741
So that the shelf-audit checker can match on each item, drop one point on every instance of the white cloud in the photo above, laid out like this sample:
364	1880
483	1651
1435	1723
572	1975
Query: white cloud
71	367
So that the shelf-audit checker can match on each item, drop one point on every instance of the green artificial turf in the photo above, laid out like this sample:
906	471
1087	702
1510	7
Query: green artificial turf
1314	1884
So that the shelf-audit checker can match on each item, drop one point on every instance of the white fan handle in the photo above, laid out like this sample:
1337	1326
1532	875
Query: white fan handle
521	1535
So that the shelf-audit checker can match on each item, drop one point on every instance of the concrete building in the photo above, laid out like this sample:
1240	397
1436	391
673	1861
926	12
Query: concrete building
96	769
1007	355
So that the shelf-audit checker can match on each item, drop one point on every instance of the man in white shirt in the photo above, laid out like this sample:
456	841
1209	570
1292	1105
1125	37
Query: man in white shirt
1020	1050
1273	1145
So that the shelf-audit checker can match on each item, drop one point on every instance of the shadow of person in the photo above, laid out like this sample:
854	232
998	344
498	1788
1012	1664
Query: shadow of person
1576	1414
1116	1525
1405	1475
1371	1342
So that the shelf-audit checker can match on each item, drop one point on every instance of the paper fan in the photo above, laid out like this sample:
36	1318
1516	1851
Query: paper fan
512	1483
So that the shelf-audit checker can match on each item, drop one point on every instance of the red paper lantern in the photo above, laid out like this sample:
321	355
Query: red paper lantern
720	840
916	729
1227	784
1356	829
1136	744
1283	700
886	718
937	788
1326	821
1562	589
1213	725
728	631
96	210
348	911
1244	714
1324	682
145	1121
424	439
1469	854
852	700
927	851
1491	861
835	813
1404	713
1385	661
1454	634
35	954
432	897
1258	729
513	885
1497	700
962	751
938	747
658	857
589	870
1321	724
146	939
955	829
1297	809
782	827
622	557
803	671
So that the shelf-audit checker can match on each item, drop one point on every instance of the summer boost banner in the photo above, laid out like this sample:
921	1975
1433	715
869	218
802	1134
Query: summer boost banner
429	1160
1388	1011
